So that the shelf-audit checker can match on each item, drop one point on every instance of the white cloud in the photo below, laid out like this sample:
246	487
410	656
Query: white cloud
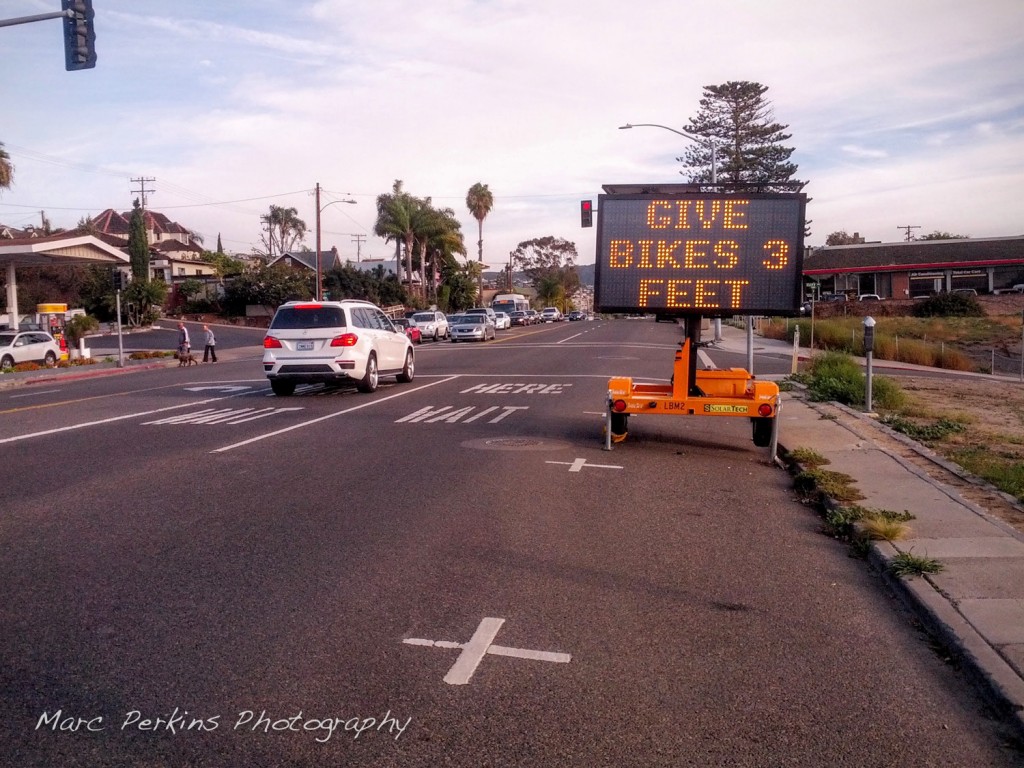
911	109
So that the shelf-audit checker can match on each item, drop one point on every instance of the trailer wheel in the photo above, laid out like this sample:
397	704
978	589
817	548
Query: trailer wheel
762	431
619	424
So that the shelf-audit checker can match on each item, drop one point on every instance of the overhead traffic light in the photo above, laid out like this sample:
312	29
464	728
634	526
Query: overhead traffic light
586	213
79	35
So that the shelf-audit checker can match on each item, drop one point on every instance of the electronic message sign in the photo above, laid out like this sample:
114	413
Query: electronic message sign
710	254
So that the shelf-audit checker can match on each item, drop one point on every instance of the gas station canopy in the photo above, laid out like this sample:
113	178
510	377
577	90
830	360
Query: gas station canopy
64	250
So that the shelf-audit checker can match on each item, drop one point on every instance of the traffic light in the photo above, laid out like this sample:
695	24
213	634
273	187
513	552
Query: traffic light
118	279
79	35
586	213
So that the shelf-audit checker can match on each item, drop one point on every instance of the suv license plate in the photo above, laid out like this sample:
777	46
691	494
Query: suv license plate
304	345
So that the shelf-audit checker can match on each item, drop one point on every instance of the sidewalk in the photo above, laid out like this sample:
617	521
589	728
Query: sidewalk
975	605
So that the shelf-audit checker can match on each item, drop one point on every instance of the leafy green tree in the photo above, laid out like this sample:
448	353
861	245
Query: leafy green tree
6	169
737	118
549	263
479	200
138	245
379	286
142	301
265	286
842	238
937	235
223	265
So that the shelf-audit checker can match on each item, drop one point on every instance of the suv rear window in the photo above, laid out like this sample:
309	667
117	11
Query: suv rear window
310	316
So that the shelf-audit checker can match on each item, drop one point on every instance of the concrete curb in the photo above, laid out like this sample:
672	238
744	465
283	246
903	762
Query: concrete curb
995	679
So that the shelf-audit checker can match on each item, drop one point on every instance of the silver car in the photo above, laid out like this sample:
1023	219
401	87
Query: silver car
432	325
334	342
473	328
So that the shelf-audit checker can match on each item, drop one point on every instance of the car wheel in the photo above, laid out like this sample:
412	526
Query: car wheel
7	363
50	361
369	381
409	369
437	336
762	431
282	388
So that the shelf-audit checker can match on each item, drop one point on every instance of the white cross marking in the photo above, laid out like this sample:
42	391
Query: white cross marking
579	464
478	646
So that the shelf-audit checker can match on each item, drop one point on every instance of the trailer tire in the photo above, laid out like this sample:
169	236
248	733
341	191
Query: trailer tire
762	431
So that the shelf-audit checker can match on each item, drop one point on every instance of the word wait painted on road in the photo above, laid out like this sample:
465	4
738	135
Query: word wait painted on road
449	414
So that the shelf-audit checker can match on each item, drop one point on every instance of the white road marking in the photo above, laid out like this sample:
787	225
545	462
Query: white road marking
33	394
311	422
111	420
569	338
480	645
221	416
218	387
579	464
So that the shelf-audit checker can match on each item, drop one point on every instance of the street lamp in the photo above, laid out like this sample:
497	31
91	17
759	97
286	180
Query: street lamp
319	210
703	142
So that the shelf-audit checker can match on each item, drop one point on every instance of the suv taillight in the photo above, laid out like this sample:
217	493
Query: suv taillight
345	340
269	342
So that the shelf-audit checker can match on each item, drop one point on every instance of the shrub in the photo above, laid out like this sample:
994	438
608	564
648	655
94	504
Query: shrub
836	376
949	305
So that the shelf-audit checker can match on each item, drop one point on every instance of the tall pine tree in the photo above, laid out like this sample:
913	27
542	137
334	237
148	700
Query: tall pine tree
138	245
737	118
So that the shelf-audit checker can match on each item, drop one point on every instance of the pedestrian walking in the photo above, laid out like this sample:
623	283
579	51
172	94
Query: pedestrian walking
210	350
184	343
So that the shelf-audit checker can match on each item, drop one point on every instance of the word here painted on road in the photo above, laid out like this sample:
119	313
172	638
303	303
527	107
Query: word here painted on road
515	388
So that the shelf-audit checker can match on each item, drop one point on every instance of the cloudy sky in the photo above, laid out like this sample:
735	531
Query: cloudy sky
902	112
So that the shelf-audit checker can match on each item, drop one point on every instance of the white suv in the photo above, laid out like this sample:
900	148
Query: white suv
334	342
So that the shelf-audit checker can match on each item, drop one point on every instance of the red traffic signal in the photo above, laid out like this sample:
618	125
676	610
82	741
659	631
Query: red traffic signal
586	213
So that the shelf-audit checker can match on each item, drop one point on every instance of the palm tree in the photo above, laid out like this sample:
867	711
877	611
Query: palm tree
6	169
284	228
437	233
395	223
479	200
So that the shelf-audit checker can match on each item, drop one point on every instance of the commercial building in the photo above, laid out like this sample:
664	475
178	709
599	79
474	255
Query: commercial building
917	268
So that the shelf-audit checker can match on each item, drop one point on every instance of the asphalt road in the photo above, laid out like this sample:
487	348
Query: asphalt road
299	575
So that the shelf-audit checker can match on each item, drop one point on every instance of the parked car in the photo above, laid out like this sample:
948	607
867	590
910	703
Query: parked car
413	332
502	321
519	318
473	327
28	347
965	292
550	315
432	324
577	315
534	316
869	297
483	311
834	297
334	342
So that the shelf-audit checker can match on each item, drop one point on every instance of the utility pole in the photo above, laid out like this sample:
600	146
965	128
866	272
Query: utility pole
142	190
909	227
358	240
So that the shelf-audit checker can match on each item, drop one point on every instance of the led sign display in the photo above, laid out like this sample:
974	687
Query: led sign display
708	254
